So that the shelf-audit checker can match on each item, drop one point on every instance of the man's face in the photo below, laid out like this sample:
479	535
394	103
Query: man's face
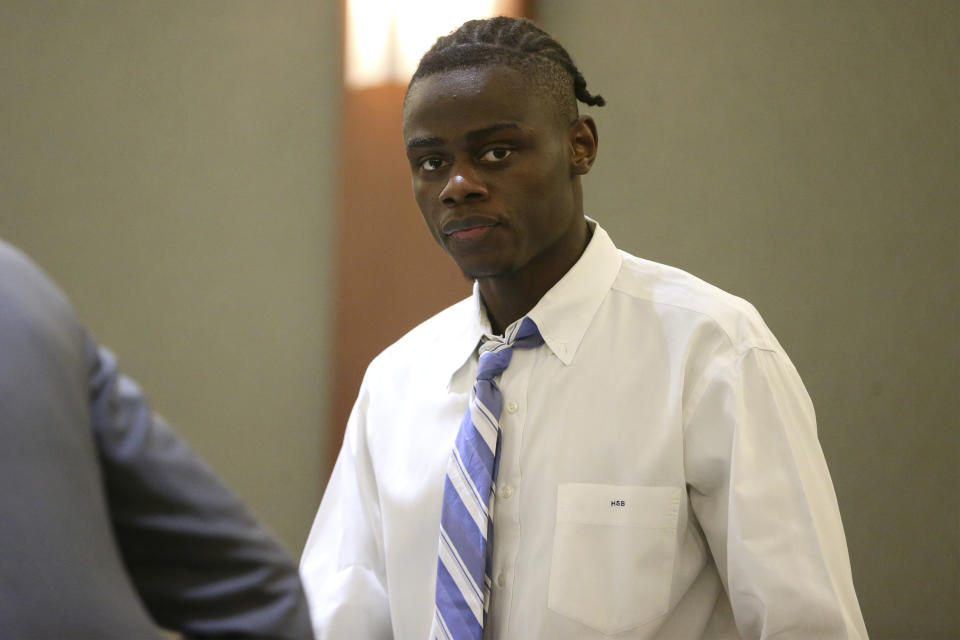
492	168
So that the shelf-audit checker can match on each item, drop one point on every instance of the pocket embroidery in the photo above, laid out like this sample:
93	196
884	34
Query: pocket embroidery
613	554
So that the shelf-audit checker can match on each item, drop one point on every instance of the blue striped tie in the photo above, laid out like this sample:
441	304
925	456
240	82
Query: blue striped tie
466	522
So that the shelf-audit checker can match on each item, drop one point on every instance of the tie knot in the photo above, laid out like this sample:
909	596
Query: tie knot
495	353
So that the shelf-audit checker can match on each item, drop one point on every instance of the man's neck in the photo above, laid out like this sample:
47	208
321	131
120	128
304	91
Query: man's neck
509	297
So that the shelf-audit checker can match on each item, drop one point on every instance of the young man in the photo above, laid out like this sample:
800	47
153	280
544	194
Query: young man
592	445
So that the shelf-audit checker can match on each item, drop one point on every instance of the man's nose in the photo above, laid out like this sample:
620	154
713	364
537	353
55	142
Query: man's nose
463	185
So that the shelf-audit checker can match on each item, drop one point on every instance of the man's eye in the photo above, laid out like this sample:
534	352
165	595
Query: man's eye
431	164
496	155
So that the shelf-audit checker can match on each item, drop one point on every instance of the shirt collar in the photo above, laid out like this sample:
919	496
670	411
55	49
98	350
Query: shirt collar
562	314
565	312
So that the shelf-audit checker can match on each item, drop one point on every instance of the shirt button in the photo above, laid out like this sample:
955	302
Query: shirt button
512	407
501	580
506	491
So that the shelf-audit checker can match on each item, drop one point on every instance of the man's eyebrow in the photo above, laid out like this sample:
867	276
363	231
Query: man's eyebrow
415	143
471	136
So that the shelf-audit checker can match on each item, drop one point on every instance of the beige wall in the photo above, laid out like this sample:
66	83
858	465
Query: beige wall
804	155
171	165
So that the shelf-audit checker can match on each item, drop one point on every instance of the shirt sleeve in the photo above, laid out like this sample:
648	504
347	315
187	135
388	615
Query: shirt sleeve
201	563
342	564
760	488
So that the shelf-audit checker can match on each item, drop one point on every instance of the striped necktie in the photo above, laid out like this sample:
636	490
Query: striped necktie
466	521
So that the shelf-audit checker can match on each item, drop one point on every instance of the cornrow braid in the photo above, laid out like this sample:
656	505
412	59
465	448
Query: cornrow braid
514	42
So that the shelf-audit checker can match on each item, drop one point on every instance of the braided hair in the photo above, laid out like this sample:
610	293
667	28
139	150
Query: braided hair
516	43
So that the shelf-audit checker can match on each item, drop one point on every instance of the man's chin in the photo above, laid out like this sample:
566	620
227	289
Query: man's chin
478	272
476	267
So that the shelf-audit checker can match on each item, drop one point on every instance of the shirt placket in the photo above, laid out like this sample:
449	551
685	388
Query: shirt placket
513	385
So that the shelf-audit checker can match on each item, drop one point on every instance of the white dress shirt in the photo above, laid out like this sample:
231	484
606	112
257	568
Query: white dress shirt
660	474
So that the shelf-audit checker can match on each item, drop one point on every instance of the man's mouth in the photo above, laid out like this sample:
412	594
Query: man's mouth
467	228
469	233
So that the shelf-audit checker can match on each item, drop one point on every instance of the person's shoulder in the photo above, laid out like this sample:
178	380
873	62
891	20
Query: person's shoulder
39	332
16	265
437	334
26	288
673	288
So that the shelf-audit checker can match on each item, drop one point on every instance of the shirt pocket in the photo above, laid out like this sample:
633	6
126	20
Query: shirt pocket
613	554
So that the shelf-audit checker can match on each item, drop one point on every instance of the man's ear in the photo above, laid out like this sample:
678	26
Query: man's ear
583	144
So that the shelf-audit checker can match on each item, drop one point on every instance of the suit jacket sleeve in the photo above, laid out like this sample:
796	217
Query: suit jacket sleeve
199	560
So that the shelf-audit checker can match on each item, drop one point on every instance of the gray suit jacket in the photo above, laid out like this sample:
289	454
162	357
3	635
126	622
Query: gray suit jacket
109	524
